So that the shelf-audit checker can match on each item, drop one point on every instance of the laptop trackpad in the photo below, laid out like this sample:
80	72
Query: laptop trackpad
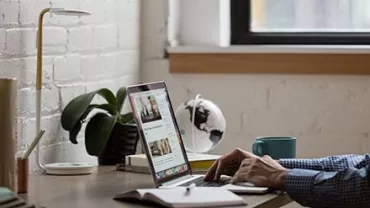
247	184
245	187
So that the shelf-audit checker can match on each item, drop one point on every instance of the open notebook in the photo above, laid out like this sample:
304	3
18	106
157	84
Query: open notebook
180	197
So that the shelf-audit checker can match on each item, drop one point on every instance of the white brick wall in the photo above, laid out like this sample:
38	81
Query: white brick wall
80	55
10	12
2	40
77	34
105	36
21	41
71	62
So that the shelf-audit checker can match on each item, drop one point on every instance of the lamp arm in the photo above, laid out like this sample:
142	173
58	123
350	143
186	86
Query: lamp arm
39	82
39	49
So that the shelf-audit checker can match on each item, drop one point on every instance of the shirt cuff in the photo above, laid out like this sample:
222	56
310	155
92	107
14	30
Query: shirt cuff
287	163
301	164
298	184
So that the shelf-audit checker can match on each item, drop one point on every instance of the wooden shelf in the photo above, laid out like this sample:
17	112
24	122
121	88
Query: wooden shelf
273	63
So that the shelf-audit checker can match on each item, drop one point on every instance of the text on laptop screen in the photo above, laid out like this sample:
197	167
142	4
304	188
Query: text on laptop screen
162	139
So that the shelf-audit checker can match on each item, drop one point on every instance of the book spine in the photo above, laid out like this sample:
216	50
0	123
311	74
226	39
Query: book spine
132	168
8	133
201	165
146	170
136	161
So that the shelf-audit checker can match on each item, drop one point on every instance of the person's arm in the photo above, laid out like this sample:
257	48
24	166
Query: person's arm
331	163
345	188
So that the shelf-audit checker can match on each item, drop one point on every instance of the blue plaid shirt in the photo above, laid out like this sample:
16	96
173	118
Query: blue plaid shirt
335	181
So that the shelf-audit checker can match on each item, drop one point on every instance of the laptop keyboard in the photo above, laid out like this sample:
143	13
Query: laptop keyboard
200	182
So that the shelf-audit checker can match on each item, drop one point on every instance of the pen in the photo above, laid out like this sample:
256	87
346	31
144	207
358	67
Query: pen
190	187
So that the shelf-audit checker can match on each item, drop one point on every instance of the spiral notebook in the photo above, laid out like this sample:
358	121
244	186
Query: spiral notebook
180	197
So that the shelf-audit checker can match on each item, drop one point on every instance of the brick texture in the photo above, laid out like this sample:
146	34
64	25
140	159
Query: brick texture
80	54
2	40
75	36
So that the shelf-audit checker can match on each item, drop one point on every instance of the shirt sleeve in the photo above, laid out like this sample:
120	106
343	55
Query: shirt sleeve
345	188
331	163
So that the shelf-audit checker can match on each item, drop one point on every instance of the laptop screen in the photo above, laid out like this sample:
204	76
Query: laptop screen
154	114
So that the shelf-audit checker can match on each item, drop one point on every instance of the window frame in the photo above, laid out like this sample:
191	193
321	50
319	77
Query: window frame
241	34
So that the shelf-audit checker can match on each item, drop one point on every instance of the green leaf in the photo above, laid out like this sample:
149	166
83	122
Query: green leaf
111	109
76	129
127	118
97	133
108	95
88	110
121	96
77	108
74	132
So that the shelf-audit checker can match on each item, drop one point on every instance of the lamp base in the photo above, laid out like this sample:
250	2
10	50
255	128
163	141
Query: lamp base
69	168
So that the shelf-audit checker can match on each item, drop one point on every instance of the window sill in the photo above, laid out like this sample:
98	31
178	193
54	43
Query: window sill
270	59
311	49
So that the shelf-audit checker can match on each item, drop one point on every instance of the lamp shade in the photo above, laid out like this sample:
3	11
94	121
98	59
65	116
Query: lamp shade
68	12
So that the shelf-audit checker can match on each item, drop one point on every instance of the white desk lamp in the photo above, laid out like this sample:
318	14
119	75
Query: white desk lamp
54	168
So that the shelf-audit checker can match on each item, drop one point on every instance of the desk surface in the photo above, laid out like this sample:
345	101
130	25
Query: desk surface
98	189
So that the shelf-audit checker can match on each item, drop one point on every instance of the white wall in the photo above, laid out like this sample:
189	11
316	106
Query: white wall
80	55
328	114
200	23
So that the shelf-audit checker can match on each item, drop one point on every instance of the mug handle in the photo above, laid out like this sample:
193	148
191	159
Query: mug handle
258	148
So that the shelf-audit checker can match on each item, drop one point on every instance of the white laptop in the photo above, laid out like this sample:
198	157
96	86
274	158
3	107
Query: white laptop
163	144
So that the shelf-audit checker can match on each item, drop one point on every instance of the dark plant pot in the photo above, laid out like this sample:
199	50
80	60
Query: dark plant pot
123	142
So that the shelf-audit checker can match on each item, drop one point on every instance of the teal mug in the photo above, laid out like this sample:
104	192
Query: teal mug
275	147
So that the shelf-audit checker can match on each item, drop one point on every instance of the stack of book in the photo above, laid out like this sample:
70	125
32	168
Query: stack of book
10	199
138	163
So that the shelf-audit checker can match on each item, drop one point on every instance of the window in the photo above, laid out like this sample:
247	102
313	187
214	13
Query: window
335	22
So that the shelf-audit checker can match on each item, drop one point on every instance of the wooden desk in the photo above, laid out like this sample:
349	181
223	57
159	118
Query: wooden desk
99	188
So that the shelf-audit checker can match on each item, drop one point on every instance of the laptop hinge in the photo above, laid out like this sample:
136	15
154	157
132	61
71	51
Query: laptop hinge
177	180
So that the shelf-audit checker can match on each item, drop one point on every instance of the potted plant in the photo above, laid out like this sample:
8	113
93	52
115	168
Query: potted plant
109	135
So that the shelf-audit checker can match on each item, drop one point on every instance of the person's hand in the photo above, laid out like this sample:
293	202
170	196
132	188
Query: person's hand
228	164
261	171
